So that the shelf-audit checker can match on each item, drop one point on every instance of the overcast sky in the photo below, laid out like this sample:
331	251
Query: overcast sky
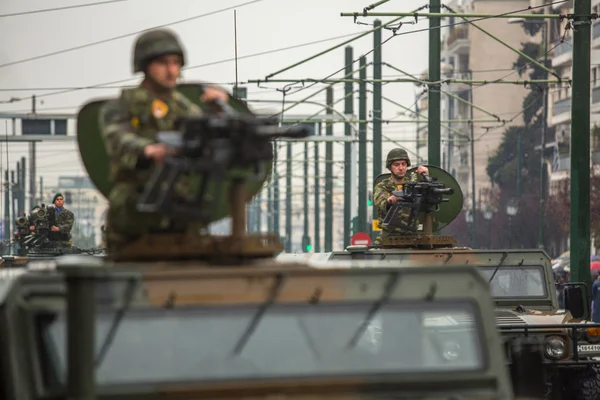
103	36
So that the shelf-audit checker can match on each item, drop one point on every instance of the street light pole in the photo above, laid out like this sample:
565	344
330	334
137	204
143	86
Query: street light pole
474	224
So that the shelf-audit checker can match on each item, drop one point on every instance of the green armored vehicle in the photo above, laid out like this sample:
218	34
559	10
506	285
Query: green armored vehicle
219	318
521	282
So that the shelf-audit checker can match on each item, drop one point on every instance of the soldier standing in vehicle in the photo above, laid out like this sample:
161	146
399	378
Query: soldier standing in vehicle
397	162
129	126
64	219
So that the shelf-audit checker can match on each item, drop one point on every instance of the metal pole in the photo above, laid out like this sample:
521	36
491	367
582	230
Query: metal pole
317	213
259	201
377	114
305	241
32	180
580	144
270	206
7	226
519	162
288	199
377	100
543	149
329	177
474	206
433	134
348	110
362	149
23	184
275	190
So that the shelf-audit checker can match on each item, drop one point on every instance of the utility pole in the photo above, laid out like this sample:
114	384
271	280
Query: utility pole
474	206
275	190
348	111
23	185
362	147
259	216
543	149
7	194
434	113
580	144
377	112
288	199
317	214
329	176
41	190
305	239
270	203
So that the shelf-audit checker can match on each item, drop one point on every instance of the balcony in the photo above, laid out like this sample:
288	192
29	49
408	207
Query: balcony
563	106
563	52
564	161
457	41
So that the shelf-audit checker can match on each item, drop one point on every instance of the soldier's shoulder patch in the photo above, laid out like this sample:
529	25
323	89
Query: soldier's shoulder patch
159	109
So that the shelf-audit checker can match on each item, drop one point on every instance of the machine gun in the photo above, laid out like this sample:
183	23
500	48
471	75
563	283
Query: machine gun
42	219
213	149
416	197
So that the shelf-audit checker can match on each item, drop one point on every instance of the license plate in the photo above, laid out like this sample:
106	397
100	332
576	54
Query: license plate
588	348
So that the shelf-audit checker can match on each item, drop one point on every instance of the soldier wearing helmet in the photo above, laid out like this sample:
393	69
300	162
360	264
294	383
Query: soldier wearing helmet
129	125
397	162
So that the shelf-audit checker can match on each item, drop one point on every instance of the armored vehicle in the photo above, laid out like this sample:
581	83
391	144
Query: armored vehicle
521	282
38	244
219	318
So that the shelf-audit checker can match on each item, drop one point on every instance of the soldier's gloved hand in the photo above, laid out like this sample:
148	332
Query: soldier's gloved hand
214	93
157	152
422	169
54	228
392	199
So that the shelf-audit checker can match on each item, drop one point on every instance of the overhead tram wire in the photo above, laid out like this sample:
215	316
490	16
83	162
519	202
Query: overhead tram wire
440	27
209	64
256	54
83	46
44	10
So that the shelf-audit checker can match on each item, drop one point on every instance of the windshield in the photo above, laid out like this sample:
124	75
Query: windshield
291	341
512	281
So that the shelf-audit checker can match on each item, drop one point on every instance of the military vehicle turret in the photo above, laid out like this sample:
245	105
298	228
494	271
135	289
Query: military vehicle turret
521	282
219	318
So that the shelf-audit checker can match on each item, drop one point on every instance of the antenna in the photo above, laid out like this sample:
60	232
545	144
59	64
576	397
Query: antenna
235	49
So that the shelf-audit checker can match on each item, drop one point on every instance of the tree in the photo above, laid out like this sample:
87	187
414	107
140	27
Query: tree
503	168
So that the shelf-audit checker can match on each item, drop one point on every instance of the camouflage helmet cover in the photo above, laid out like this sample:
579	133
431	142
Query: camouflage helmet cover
395	155
155	43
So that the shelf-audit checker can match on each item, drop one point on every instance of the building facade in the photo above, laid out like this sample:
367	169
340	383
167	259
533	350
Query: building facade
468	53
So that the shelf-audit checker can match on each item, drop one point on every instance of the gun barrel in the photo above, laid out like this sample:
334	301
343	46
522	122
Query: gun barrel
443	191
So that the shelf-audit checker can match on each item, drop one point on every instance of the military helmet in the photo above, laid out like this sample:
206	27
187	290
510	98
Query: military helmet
155	43
395	155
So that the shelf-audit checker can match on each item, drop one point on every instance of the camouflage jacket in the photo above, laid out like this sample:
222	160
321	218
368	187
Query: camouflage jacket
383	190
64	220
131	122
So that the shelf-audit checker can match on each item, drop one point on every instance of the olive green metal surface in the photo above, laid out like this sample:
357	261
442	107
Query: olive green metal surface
95	159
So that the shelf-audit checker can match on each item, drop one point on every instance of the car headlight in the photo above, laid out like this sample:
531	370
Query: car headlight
451	350
555	348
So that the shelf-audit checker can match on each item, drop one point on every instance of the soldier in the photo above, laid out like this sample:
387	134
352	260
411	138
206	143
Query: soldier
397	162
129	126
63	222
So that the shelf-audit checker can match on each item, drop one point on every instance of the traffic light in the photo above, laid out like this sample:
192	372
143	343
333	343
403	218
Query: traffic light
306	246
370	199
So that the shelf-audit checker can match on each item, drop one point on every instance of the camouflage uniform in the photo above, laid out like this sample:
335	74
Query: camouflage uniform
64	220
128	124
384	189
